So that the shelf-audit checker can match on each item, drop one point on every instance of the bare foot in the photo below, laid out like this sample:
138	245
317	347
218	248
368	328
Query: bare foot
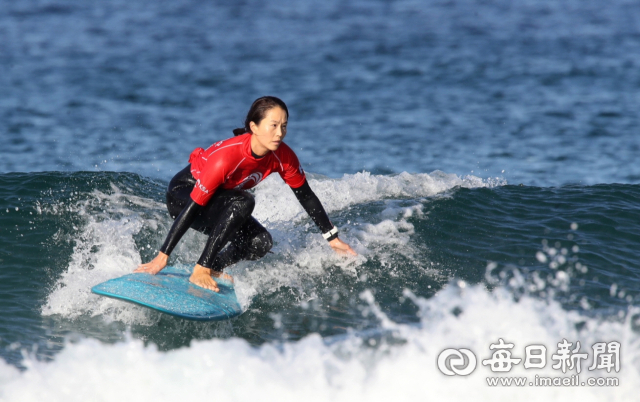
201	276
222	275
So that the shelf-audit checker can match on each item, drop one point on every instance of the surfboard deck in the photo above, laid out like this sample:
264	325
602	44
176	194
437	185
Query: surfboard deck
170	292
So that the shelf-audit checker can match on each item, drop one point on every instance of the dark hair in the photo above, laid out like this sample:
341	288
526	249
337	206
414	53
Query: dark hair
258	110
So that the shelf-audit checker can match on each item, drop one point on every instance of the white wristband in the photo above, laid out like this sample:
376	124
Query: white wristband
330	233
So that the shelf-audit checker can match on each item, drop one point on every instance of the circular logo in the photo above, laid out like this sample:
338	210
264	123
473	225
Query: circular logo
457	362
250	181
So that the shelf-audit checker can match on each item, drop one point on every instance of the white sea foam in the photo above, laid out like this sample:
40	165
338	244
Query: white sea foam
275	202
104	248
346	369
105	245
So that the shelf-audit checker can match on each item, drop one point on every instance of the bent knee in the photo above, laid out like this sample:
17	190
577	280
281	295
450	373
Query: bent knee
260	246
245	202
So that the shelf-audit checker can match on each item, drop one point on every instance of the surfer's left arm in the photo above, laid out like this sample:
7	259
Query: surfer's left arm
310	202
178	229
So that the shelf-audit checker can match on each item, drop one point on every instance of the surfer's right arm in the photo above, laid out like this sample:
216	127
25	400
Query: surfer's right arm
181	224
311	203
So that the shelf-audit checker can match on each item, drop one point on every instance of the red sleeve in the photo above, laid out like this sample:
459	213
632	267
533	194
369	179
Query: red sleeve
292	173
211	177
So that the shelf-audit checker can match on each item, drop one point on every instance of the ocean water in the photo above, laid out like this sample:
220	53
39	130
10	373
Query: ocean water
480	156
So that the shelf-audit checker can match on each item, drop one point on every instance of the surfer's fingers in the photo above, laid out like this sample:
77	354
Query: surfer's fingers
350	251
145	265
141	268
346	252
341	247
154	266
345	249
148	267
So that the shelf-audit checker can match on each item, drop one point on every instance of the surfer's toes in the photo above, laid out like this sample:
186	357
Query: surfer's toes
210	286
204	283
222	275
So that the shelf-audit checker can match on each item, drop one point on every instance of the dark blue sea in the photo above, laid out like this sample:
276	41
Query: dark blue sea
481	156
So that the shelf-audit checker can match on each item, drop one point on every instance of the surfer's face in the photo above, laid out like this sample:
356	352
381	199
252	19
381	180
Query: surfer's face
268	135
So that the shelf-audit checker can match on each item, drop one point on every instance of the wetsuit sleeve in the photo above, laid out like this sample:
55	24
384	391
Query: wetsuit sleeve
180	226
310	202
210	179
291	170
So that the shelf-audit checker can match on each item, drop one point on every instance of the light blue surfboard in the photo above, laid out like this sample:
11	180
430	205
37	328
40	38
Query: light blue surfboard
171	292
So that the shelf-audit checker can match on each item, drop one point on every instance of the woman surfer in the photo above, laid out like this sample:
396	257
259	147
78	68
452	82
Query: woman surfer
210	196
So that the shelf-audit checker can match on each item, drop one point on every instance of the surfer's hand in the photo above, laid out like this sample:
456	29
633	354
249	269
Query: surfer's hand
156	265
201	276
341	247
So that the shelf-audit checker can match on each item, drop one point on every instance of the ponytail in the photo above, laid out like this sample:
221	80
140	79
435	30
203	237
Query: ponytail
240	131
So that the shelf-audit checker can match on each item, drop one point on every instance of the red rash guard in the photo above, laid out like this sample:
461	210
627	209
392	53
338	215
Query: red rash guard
230	164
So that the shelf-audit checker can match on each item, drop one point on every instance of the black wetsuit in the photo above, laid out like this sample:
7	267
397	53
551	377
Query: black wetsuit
226	218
